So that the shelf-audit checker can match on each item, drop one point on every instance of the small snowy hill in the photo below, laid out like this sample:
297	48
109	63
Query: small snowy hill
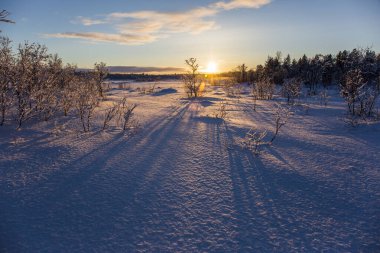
183	182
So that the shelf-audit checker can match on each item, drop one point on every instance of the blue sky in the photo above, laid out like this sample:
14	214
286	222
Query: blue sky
163	33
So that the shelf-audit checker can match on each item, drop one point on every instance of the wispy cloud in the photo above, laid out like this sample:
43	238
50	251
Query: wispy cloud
239	4
141	27
88	21
127	39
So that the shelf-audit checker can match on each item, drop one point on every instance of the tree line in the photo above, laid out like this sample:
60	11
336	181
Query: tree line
356	73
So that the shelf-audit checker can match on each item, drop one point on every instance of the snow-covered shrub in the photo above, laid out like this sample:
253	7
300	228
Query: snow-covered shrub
367	101
281	116
264	89
352	88
291	89
67	89
28	80
87	97
122	112
221	112
38	83
232	88
126	114
109	114
253	140
47	93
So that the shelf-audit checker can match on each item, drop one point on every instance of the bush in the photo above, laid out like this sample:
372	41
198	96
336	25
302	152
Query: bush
87	99
264	89
281	116
360	96
232	88
221	112
126	113
291	89
253	140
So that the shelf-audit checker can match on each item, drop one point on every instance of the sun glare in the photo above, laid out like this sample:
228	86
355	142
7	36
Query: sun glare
211	67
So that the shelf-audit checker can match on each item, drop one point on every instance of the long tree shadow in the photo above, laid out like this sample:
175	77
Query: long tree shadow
281	210
115	171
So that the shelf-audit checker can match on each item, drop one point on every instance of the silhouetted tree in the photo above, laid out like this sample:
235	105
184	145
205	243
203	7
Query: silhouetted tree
273	69
191	81
328	70
286	66
313	74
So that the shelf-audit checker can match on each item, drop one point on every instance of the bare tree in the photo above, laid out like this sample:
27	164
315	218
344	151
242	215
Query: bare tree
281	115
67	88
264	88
47	93
221	112
125	113
28	79
100	72
241	74
367	101
291	89
6	75
254	139
109	114
231	87
351	88
86	100
191	81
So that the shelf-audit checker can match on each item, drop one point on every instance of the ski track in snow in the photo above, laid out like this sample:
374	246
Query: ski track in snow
182	184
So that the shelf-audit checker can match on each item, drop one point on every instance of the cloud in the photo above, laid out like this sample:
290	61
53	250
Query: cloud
88	21
140	27
124	39
239	4
193	21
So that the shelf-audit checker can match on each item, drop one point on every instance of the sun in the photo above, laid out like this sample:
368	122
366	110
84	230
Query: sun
211	67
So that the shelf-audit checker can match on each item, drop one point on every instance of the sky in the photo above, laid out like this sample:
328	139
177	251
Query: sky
162	34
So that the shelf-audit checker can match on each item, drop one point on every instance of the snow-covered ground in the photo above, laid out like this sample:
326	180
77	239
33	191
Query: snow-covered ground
183	183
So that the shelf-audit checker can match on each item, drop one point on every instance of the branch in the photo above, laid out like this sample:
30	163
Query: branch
3	15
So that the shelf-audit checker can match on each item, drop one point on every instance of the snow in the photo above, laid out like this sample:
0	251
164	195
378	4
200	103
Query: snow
183	183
